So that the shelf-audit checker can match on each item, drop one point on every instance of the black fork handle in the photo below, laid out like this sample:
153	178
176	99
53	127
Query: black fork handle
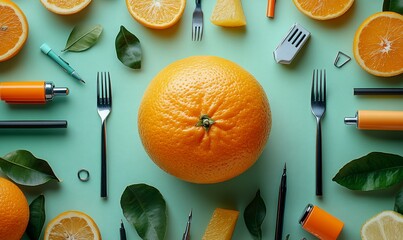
104	188
318	158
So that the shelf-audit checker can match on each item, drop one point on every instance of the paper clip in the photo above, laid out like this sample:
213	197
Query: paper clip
336	61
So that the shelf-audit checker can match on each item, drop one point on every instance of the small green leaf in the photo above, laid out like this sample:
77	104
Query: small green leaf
393	5
254	215
145	208
374	171
399	201
37	218
128	48
25	169
82	38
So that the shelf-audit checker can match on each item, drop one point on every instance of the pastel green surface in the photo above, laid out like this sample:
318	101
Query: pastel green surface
292	139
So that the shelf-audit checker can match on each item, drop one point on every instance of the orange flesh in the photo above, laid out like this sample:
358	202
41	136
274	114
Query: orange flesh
381	46
10	29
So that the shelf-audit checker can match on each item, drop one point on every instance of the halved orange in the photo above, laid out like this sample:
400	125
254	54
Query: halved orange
64	7
378	44
72	225
323	9
13	29
159	14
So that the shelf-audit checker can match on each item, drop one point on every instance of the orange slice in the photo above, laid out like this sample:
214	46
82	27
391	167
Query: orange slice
13	29
221	225
228	13
159	14
72	225
65	7
378	44
323	9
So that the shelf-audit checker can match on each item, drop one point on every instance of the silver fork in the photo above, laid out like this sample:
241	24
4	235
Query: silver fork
318	106
197	22
104	105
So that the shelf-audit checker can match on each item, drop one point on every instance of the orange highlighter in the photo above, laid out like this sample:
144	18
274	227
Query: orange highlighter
38	92
377	120
320	223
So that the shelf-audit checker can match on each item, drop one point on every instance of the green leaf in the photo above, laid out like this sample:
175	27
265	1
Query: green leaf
254	215
25	169
374	171
37	218
145	208
128	48
399	201
393	5
82	38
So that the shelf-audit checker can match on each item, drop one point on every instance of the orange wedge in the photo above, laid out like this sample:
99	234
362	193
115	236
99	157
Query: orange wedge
72	225
323	9
159	14
228	13
221	225
13	29
378	44
64	7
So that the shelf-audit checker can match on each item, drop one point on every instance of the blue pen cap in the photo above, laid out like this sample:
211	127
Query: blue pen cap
45	48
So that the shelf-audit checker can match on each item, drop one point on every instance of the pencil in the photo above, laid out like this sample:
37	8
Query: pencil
281	204
270	8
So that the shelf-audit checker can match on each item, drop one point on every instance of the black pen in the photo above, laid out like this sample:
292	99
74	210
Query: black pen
281	205
34	124
122	231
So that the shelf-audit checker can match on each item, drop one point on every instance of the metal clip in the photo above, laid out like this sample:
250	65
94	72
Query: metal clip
336	61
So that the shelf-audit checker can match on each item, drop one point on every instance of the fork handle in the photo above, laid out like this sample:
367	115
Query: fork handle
318	158
104	193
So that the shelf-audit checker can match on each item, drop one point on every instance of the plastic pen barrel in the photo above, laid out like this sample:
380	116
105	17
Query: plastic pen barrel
38	92
377	120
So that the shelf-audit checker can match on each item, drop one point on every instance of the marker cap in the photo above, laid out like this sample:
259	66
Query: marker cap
320	223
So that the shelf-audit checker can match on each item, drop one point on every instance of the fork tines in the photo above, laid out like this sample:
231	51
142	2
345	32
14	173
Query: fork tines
318	91
104	89
197	22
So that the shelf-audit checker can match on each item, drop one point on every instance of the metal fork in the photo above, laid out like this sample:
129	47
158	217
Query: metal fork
197	22
104	105
318	106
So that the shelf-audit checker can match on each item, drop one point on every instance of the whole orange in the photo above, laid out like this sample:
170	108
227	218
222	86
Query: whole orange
14	211
204	119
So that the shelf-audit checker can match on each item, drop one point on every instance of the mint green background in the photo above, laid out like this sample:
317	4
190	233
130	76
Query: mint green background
292	139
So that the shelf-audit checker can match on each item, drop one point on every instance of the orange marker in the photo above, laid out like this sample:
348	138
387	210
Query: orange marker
377	120
270	8
320	223
38	92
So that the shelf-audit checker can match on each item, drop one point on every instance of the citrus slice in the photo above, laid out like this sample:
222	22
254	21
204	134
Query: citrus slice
323	9
72	225
13	29
378	44
221	225
383	226
64	7
157	14
228	13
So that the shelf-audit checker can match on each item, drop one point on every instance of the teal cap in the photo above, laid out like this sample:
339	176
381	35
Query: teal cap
45	48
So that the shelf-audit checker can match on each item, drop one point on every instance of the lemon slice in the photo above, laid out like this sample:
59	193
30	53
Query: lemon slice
72	225
386	225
